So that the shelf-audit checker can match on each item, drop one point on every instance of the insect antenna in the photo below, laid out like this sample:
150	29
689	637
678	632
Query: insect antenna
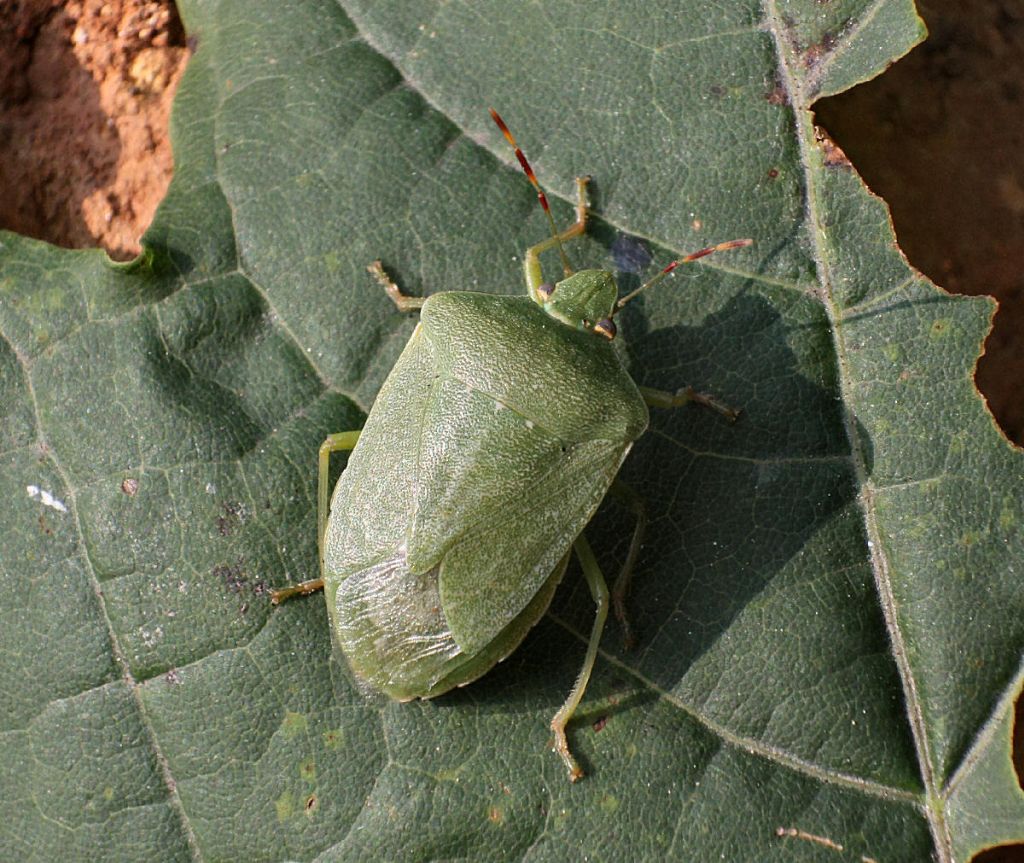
693	256
540	192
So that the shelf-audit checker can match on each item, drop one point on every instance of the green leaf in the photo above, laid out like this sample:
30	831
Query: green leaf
828	601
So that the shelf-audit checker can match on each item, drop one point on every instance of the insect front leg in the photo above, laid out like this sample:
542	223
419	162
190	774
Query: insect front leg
664	399
333	443
404	302
531	261
599	590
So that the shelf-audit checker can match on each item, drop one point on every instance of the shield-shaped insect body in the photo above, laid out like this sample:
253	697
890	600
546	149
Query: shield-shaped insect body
488	450
491	444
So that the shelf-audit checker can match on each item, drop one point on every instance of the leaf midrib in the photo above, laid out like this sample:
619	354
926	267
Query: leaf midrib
803	122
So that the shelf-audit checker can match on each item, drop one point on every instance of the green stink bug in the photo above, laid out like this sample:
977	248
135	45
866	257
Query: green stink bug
491	444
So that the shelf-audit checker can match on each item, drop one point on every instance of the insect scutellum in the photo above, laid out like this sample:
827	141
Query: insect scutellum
588	299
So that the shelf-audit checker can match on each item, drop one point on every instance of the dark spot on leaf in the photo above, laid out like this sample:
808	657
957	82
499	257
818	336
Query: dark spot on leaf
311	803
233	576
630	254
236	580
600	723
234	514
717	90
130	485
834	156
773	173
814	53
172	677
44	527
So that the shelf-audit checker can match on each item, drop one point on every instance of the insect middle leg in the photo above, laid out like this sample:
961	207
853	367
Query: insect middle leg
599	590
404	302
531	261
334	443
664	399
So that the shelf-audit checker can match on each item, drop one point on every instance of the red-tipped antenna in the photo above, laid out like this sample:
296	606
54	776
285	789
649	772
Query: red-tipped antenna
693	256
533	179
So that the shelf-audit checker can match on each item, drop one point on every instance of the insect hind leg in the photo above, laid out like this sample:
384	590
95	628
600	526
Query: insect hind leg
599	590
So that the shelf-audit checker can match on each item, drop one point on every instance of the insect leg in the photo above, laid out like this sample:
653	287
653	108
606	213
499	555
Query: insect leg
662	399
333	443
404	302
621	587
531	262
599	590
303	588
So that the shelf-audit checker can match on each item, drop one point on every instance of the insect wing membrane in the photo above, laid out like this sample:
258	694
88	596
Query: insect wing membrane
392	629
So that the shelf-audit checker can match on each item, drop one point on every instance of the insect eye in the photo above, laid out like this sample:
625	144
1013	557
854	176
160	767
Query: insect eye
606	328
546	290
